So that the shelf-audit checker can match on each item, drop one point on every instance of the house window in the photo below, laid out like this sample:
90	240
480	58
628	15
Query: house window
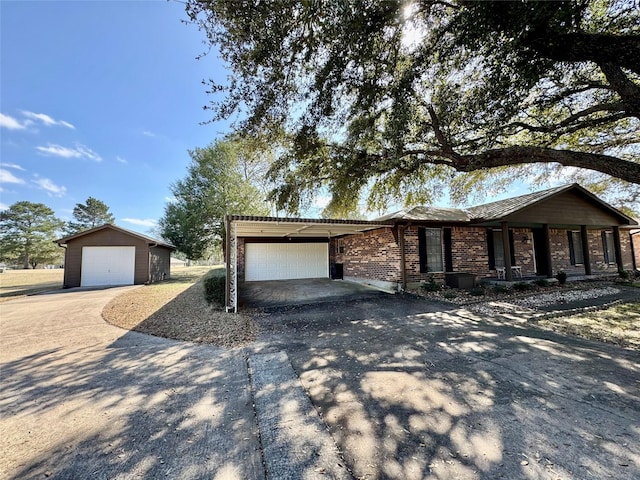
609	248
495	247
340	245
576	254
430	249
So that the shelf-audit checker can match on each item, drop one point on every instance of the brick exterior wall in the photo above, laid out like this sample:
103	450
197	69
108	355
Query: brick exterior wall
376	256
373	255
562	261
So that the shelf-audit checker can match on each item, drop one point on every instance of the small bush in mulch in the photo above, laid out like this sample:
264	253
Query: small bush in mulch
430	285
477	291
500	289
522	286
450	294
214	287
542	282
561	277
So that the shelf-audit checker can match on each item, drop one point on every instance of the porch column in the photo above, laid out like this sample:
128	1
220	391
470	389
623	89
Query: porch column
547	241
585	249
506	249
616	243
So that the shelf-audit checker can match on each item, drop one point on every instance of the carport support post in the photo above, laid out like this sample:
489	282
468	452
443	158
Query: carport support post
506	249
584	235
226	262
230	250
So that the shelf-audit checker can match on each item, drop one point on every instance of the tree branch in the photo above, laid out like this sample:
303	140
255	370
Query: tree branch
519	155
621	50
628	90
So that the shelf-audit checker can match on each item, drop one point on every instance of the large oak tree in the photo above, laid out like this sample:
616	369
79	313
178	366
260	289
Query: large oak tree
404	97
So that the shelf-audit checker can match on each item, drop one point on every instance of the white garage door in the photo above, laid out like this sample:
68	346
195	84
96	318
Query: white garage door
107	266
282	261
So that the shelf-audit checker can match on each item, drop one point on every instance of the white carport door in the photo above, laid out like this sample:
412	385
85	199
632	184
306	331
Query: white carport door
283	261
107	266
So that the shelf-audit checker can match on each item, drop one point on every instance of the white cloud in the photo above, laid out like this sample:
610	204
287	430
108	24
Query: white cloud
170	199
146	222
79	151
51	188
46	119
122	160
147	133
13	165
4	206
11	123
7	177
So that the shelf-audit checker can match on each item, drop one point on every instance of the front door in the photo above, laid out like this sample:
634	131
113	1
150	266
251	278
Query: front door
540	252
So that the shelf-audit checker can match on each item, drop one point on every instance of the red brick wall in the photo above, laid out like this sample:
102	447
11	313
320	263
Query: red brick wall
373	255
562	261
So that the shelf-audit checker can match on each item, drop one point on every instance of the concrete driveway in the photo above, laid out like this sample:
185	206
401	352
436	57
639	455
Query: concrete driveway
83	399
413	390
277	293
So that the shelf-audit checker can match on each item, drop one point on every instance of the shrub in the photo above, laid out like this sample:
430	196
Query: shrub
624	275
542	282
522	286
477	291
449	294
430	285
501	289
561	277
214	287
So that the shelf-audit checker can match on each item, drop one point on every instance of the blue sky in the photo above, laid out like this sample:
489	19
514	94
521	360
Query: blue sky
100	99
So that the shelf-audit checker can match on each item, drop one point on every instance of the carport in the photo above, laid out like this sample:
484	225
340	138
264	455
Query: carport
275	248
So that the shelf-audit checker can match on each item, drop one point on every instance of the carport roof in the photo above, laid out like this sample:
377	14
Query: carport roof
287	227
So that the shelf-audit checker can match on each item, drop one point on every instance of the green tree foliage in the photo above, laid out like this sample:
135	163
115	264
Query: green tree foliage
403	99
214	186
92	213
27	233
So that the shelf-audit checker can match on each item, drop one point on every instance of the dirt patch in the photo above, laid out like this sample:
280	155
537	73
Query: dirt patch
17	283
177	309
618	324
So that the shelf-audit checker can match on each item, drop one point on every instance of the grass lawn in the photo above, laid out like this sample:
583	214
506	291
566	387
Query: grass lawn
176	309
16	283
619	324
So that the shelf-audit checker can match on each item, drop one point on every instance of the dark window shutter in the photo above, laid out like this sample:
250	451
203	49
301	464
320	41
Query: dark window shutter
448	247
604	247
572	253
511	247
492	256
422	250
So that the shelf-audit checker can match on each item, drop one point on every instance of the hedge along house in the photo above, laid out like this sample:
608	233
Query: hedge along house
109	255
565	228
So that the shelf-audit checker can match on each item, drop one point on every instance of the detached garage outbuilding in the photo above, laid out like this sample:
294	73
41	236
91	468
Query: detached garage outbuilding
111	255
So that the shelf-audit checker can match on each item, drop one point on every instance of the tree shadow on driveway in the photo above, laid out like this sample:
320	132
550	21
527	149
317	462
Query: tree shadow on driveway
411	389
138	407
